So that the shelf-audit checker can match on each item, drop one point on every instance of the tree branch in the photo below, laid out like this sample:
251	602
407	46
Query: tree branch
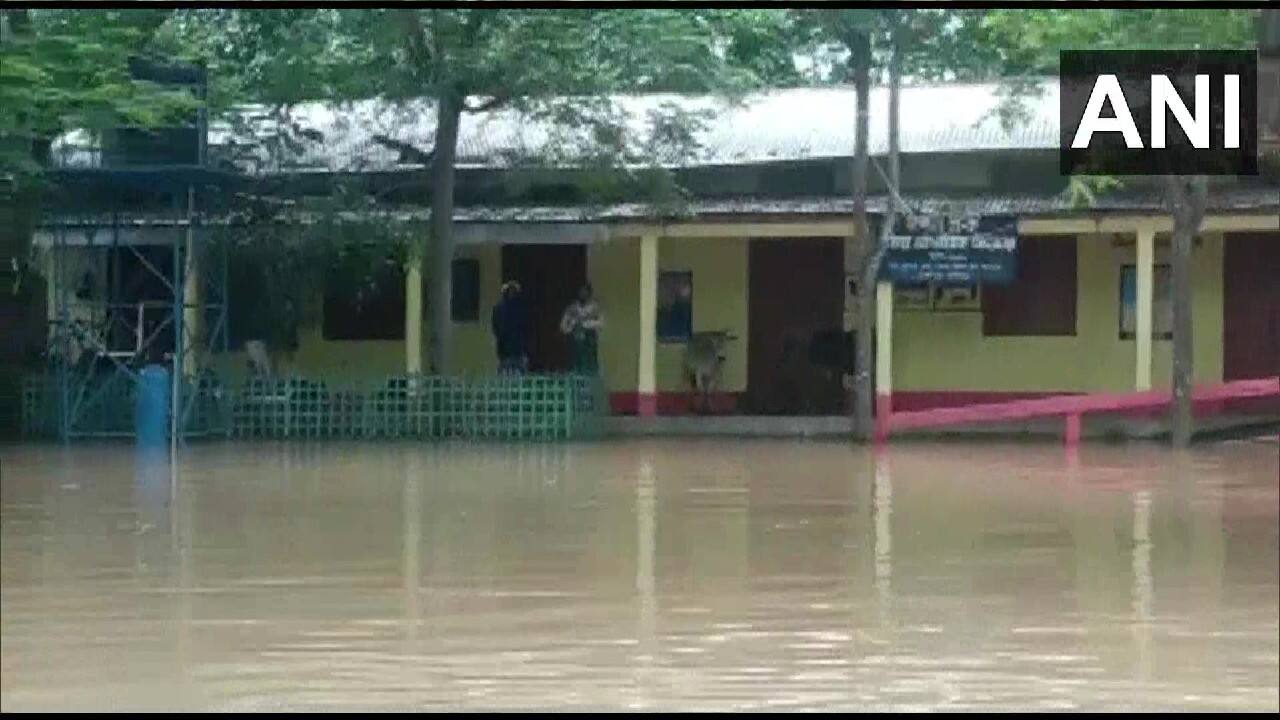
471	30
419	50
487	105
407	151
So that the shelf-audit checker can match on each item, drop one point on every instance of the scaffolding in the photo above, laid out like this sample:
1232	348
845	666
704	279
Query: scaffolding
129	290
102	337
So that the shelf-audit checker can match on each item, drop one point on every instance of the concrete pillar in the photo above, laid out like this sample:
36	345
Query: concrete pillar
884	357
647	382
413	316
1144	306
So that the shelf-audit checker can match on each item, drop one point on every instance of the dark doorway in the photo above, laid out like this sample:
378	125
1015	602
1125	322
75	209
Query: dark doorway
795	347
140	276
1251	306
550	276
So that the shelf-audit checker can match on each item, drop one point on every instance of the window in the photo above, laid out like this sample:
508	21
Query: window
675	306
465	303
1041	301
364	301
247	319
1162	302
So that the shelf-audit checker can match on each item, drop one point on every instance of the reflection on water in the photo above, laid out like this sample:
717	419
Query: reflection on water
639	575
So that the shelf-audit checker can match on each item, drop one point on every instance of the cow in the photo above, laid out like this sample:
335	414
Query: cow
259	357
703	360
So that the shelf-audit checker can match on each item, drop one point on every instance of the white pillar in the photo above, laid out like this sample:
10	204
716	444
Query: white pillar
647	383
413	316
1144	306
884	357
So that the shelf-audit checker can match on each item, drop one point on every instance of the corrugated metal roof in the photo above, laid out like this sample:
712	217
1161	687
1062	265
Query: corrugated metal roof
1234	199
776	125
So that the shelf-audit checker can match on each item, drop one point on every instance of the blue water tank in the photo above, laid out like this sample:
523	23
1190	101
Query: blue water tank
151	415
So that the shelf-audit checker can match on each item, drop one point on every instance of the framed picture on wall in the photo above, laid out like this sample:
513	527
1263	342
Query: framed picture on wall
957	298
675	306
1162	302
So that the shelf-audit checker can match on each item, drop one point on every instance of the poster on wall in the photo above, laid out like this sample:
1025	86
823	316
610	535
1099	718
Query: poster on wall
952	250
675	306
1162	301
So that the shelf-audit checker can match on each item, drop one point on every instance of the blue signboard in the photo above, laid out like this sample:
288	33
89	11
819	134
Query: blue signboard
952	251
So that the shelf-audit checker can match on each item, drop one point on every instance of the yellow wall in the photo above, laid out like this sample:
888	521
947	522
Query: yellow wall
932	350
374	359
947	351
613	268
473	349
719	267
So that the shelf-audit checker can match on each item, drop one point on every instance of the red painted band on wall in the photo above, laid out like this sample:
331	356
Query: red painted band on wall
884	409
671	403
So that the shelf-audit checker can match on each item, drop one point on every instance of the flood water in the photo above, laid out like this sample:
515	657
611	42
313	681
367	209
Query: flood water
646	575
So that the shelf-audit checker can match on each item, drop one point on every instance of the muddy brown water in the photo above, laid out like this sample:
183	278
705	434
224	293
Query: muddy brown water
640	575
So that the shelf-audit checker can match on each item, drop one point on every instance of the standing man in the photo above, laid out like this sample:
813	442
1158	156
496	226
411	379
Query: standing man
582	321
509	321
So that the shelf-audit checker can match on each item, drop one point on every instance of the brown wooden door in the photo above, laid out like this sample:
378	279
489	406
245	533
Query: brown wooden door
550	276
796	294
1251	306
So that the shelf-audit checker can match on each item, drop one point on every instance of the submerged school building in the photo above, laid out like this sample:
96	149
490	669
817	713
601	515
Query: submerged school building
764	248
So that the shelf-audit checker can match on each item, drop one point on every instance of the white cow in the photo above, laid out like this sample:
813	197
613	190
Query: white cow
259	357
703	361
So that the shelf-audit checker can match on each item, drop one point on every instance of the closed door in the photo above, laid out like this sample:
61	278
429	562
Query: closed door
550	277
796	307
1251	306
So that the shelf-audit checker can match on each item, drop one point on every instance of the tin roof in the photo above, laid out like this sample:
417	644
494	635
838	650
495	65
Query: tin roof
769	126
1233	199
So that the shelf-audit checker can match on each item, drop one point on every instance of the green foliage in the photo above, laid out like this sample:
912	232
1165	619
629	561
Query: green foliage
68	69
1028	43
934	44
295	247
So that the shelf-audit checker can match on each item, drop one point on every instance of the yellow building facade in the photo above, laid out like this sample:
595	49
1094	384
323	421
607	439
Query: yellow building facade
933	352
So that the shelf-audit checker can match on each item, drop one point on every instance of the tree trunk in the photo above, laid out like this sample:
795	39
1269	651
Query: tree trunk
1186	199
861	401
871	257
440	244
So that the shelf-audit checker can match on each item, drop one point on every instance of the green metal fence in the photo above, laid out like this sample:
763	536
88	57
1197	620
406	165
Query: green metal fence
102	405
506	407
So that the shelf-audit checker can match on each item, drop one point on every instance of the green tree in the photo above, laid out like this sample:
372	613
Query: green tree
63	70
559	65
69	69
